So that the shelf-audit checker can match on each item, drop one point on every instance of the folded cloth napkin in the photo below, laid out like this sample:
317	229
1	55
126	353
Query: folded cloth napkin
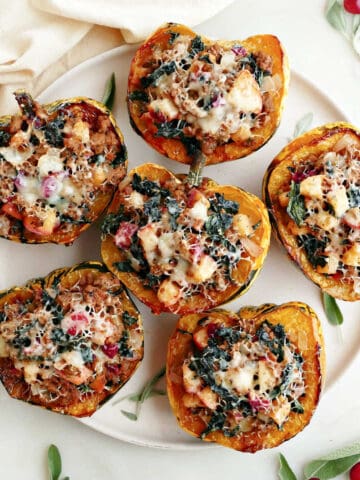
41	39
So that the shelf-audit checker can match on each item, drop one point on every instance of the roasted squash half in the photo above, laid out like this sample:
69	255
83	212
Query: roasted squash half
59	166
181	248
247	381
312	191
187	93
70	340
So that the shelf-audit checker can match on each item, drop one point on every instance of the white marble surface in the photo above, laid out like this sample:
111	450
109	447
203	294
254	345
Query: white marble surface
321	54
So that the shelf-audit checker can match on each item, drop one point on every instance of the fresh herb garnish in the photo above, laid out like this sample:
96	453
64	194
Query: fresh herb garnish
152	78
332	309
334	464
296	207
109	92
285	472
327	467
314	248
54	463
149	390
303	124
344	21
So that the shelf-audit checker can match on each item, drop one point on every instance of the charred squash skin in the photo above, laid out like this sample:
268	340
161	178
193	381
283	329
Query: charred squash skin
176	149
316	141
13	378
302	328
245	273
29	228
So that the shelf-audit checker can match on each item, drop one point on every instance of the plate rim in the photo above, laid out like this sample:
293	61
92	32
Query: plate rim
89	421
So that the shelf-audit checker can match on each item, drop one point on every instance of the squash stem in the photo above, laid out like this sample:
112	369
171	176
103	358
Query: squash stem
26	103
194	177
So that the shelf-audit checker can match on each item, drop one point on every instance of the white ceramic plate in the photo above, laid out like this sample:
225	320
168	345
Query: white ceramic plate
278	282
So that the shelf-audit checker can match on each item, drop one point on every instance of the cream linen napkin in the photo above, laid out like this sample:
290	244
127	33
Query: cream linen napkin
41	39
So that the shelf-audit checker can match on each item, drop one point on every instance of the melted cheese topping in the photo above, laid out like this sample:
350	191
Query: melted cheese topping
329	186
234	375
70	336
193	245
216	92
53	165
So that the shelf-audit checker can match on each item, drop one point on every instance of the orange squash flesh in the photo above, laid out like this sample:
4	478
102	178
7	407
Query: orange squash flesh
278	178
215	149
244	272
100	150
302	329
100	386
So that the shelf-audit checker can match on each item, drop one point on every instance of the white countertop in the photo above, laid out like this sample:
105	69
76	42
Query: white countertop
324	56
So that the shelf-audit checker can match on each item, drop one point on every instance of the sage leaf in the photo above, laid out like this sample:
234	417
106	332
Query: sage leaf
335	15
303	124
285	472
109	92
296	207
355	23
334	464
356	38
332	310
130	415
149	390
54	462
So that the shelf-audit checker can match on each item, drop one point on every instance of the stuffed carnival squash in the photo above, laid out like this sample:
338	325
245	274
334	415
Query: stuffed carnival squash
59	166
69	341
312	190
181	248
187	93
247	381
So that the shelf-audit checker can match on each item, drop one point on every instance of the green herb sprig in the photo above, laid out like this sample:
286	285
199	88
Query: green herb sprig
332	310
346	23
324	468
109	92
54	463
149	390
303	124
285	472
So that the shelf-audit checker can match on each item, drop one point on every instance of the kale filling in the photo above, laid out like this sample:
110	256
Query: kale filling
128	319
174	129
120	157
53	132
152	78
216	357
250	62
4	138
314	249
